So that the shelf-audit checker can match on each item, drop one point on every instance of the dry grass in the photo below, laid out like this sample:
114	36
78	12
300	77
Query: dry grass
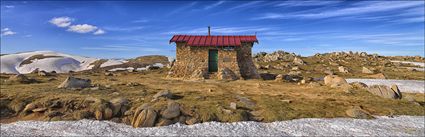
268	96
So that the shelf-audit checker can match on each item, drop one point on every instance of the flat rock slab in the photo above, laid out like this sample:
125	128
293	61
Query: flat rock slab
382	126
407	86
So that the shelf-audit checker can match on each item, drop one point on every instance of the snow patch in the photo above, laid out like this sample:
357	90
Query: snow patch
112	63
61	63
420	64
382	126
408	86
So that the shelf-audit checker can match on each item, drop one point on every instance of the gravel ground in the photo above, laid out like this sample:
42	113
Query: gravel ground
408	86
381	126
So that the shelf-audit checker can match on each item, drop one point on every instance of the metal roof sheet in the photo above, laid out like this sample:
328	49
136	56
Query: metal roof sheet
214	40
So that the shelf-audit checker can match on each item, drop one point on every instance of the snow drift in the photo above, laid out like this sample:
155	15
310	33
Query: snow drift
408	86
54	61
382	126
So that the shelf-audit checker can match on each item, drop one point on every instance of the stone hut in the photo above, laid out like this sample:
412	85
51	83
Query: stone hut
214	57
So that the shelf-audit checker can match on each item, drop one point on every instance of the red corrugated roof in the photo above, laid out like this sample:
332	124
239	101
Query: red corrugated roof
204	40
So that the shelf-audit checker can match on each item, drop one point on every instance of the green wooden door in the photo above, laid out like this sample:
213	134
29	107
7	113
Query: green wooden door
212	60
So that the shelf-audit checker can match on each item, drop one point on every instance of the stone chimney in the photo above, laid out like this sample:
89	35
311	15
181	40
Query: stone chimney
209	31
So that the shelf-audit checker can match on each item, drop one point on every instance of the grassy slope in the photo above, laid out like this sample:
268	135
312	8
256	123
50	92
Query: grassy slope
268	95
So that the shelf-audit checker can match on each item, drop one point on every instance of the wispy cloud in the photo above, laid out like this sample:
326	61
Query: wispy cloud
294	3
361	8
99	32
213	5
245	5
132	28
182	8
222	30
399	39
140	21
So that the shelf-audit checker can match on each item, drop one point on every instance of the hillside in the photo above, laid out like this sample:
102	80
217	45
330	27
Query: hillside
27	62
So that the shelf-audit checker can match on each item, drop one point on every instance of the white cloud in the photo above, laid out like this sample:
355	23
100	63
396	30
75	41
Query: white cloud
9	6
7	32
61	21
82	28
99	32
5	29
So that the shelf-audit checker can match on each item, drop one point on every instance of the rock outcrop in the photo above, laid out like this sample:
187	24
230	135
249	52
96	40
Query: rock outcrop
367	70
385	91
75	83
334	81
357	112
144	116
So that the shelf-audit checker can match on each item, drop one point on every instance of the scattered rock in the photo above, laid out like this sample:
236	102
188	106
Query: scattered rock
39	109
396	90
192	121
72	82
233	105
109	74
359	85
343	69
84	114
279	78
359	113
43	73
385	91
377	76
314	84
172	111
298	61
286	101
367	71
145	118
226	74
108	114
165	94
119	106
20	78
98	115
293	78
30	107
52	114
334	81
133	84
246	101
328	72
164	122
267	76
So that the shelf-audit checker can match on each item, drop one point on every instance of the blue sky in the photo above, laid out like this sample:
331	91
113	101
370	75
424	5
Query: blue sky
112	29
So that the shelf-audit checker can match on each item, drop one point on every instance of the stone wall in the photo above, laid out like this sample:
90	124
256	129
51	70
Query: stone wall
246	65
190	59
